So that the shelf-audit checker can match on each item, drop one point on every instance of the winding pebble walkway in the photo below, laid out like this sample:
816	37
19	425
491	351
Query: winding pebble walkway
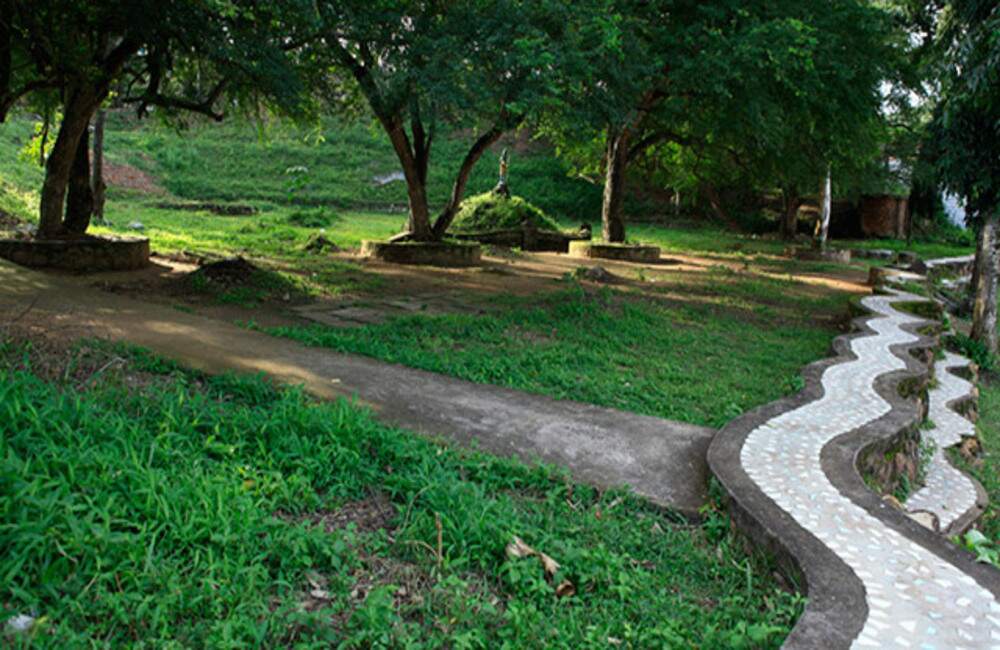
915	599
947	492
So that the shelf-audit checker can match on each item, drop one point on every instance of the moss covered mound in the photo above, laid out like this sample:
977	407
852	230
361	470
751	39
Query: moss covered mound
489	211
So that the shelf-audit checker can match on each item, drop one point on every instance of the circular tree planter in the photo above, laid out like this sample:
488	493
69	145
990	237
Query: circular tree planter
429	253
829	255
84	254
606	251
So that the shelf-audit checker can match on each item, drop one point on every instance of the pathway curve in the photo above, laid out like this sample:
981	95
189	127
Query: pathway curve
659	459
954	498
913	597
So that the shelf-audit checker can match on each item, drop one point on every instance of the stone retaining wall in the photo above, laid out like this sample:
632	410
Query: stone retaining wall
430	253
89	254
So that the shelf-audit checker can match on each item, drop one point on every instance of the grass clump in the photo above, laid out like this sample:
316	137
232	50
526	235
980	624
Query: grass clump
148	505
312	218
492	211
974	351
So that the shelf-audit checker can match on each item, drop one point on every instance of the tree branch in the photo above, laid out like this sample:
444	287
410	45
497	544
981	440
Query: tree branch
204	107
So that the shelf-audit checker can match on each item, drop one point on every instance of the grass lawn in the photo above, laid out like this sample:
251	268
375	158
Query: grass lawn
702	350
142	504
962	244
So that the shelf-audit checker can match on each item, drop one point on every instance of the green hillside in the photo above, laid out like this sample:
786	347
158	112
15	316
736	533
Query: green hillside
335	166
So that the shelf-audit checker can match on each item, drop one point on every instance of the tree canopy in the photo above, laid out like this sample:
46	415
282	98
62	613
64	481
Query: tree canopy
184	55
766	95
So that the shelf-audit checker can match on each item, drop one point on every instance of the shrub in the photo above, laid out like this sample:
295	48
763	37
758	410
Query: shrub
489	211
312	218
975	351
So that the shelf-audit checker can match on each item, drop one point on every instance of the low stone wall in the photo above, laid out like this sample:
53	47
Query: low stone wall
88	254
829	255
526	239
624	252
429	253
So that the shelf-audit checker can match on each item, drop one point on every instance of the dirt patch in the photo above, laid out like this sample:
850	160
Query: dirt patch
368	515
131	178
63	354
230	272
365	516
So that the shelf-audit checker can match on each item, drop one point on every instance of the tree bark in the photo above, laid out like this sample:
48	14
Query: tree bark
616	163
80	196
6	58
790	218
824	221
984	307
484	142
419	223
97	184
78	108
719	206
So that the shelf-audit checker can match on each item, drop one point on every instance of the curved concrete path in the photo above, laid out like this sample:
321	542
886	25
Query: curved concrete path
661	460
875	578
954	498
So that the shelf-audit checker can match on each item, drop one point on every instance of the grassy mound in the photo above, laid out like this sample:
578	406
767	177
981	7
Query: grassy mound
489	211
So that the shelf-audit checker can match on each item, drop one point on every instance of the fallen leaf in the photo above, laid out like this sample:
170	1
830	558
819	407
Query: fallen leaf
551	566
320	594
518	549
565	589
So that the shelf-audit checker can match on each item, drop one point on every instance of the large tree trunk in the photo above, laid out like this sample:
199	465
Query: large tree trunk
484	142
419	223
80	196
6	58
790	217
97	184
984	307
79	107
616	163
824	220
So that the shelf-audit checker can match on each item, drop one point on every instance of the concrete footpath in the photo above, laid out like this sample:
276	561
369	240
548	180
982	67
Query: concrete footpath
662	460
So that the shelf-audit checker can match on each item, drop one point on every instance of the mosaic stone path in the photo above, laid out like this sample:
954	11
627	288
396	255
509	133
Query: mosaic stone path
915	599
947	492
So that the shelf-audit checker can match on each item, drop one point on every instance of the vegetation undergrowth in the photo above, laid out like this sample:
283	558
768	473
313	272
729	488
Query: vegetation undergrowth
704	361
986	469
145	504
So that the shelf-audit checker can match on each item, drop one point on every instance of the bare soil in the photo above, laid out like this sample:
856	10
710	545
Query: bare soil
131	178
679	278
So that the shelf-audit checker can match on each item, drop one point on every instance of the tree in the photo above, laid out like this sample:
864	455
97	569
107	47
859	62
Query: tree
173	55
420	65
965	139
805	84
762	92
97	185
